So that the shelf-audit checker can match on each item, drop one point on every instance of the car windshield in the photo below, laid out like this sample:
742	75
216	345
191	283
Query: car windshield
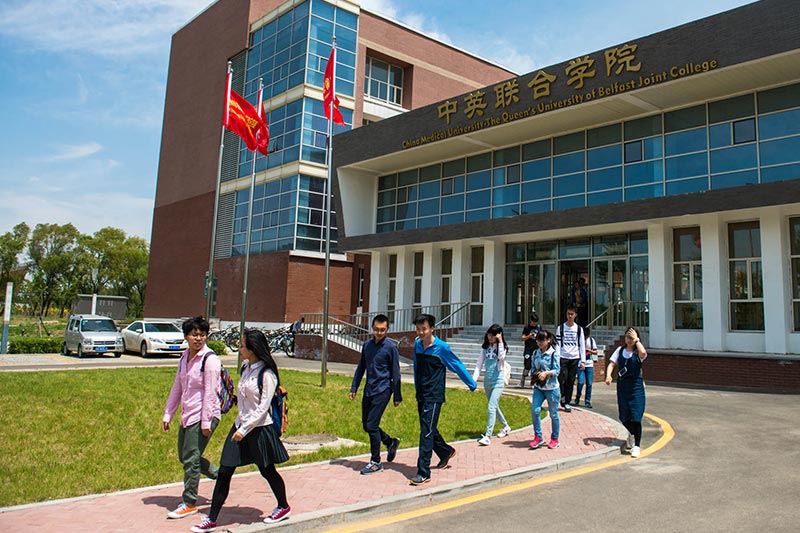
98	325
161	327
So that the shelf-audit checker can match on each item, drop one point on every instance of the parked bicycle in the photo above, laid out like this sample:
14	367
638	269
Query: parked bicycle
280	339
230	336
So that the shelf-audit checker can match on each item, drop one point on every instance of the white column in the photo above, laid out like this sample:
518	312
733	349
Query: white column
431	276
405	279
659	298
714	248
494	276
378	281
460	280
777	281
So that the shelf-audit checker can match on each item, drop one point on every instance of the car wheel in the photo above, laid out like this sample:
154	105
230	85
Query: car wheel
64	350
143	349
117	354
80	352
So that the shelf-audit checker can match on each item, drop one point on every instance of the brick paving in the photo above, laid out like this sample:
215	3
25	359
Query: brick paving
321	489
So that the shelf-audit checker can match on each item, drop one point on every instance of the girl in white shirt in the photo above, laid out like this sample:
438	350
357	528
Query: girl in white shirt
253	439
493	353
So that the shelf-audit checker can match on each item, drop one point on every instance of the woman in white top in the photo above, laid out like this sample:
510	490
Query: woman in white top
253	438
493	354
630	386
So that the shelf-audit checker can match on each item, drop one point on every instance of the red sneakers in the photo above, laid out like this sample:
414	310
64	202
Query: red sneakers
205	526
553	444
537	442
278	514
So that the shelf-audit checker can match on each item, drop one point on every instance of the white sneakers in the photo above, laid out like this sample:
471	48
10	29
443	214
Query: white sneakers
484	440
631	441
504	432
635	451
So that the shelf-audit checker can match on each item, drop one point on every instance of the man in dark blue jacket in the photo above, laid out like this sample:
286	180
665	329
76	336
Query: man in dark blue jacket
381	361
432	358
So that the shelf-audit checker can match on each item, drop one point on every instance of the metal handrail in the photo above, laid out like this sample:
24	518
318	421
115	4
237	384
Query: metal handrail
446	319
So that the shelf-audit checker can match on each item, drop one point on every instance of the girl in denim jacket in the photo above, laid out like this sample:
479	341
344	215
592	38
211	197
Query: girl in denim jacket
546	362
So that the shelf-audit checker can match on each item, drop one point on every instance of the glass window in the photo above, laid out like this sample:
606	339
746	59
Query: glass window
744	131
575	248
633	151
734	158
540	251
686	141
506	156
505	195
644	191
569	202
479	180
603	136
610	245
568	143
566	185
536	150
646	172
686	166
779	124
534	170
785	172
745	277
453	168
684	119
609	178
453	203
779	98
409	177
794	250
568	164
476	200
732	108
780	151
537	190
432	172
479	162
687	186
642	127
606	197
734	179
604	157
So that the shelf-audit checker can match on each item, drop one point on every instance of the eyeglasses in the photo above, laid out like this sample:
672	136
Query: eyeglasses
380	330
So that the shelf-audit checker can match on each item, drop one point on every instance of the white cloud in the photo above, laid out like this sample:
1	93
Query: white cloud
75	151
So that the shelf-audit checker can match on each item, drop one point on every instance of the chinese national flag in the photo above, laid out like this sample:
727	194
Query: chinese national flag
328	93
243	119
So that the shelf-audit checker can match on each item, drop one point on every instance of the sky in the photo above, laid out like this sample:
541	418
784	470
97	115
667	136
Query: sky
82	85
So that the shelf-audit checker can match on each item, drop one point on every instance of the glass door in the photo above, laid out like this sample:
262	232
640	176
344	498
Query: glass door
609	288
541	293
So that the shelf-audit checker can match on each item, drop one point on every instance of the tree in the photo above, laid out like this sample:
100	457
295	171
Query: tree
54	265
132	279
12	244
102	259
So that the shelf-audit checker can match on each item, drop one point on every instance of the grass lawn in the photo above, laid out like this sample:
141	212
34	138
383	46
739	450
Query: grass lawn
92	431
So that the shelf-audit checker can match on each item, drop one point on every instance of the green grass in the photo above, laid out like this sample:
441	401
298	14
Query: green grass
92	431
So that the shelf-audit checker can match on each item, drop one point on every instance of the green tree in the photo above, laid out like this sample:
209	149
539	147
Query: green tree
102	259
132	279
54	266
12	244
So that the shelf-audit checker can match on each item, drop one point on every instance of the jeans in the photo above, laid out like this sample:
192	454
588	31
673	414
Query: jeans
585	376
372	408
566	378
552	396
191	444
429	438
493	386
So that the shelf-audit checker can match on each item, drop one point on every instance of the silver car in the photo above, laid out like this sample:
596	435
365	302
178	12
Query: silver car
153	337
92	334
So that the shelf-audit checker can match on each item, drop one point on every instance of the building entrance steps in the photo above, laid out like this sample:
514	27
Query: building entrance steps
331	492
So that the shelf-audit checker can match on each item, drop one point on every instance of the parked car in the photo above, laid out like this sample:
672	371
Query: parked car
93	334
151	337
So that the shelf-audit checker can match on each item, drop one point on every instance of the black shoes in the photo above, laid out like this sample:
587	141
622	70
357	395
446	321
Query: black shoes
443	462
392	450
418	480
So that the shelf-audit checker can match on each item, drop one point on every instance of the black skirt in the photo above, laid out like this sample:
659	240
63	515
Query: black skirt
262	446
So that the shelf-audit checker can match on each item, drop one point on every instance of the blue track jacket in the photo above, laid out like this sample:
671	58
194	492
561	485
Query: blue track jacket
430	366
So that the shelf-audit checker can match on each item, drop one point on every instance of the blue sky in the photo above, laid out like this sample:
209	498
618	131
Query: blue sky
82	85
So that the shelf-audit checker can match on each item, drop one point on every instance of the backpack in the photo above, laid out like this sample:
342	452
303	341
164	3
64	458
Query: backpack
278	409
226	390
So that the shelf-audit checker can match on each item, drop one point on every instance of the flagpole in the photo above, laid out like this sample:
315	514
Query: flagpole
210	280
328	161
248	232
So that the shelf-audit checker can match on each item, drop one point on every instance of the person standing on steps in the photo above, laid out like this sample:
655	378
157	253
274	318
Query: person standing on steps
493	354
381	362
529	333
571	347
630	387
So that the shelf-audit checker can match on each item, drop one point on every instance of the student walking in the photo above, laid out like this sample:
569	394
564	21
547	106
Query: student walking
195	391
546	366
381	362
571	349
586	374
253	438
493	354
529	333
630	387
432	358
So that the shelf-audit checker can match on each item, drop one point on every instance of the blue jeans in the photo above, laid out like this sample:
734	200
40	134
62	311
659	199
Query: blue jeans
493	386
585	376
553	397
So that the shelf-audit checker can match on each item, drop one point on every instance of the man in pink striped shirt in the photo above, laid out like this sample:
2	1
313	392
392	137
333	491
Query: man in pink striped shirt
195	390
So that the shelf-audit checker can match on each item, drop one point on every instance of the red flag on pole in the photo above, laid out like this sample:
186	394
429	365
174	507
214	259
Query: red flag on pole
262	134
328	91
242	119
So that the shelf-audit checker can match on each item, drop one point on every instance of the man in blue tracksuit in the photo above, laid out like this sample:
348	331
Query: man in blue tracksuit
381	361
432	358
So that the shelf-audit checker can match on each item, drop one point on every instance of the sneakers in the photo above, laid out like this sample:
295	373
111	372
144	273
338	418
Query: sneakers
504	432
371	468
553	444
278	514
443	462
577	402
206	525
588	404
537	442
184	509
635	451
631	441
567	408
391	450
484	440
419	479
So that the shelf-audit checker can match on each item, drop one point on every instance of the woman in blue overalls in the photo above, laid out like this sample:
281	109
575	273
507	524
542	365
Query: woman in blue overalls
630	386
493	353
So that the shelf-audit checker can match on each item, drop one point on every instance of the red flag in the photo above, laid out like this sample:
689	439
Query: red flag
242	119
262	135
328	92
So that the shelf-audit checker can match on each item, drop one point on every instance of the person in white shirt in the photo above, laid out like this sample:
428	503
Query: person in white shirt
586	374
630	386
571	348
493	354
253	439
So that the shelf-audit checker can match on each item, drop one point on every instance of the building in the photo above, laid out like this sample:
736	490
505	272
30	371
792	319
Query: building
383	69
662	174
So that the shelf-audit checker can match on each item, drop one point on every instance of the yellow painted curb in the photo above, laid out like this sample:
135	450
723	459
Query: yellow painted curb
667	435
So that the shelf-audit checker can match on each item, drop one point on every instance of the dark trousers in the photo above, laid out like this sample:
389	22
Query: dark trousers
223	486
429	438
566	378
372	408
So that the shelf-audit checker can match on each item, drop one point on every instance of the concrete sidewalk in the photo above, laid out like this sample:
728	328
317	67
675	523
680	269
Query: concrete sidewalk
331	492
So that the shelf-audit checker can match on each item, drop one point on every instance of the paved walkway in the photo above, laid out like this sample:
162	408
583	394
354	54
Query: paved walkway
322	493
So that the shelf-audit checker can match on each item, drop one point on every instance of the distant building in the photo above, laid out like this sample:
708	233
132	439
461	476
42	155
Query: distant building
115	307
383	69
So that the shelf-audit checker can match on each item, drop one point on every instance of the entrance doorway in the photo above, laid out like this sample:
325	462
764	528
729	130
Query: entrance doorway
574	289
609	292
541	293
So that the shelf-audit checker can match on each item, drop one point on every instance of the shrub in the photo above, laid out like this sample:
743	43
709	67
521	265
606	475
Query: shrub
34	344
218	347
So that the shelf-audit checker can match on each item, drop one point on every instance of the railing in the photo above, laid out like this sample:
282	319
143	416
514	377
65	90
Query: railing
624	313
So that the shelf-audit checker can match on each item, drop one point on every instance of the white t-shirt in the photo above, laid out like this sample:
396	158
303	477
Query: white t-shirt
572	344
625	354
590	345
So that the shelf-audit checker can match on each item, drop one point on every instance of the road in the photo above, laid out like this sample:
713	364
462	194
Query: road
733	465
